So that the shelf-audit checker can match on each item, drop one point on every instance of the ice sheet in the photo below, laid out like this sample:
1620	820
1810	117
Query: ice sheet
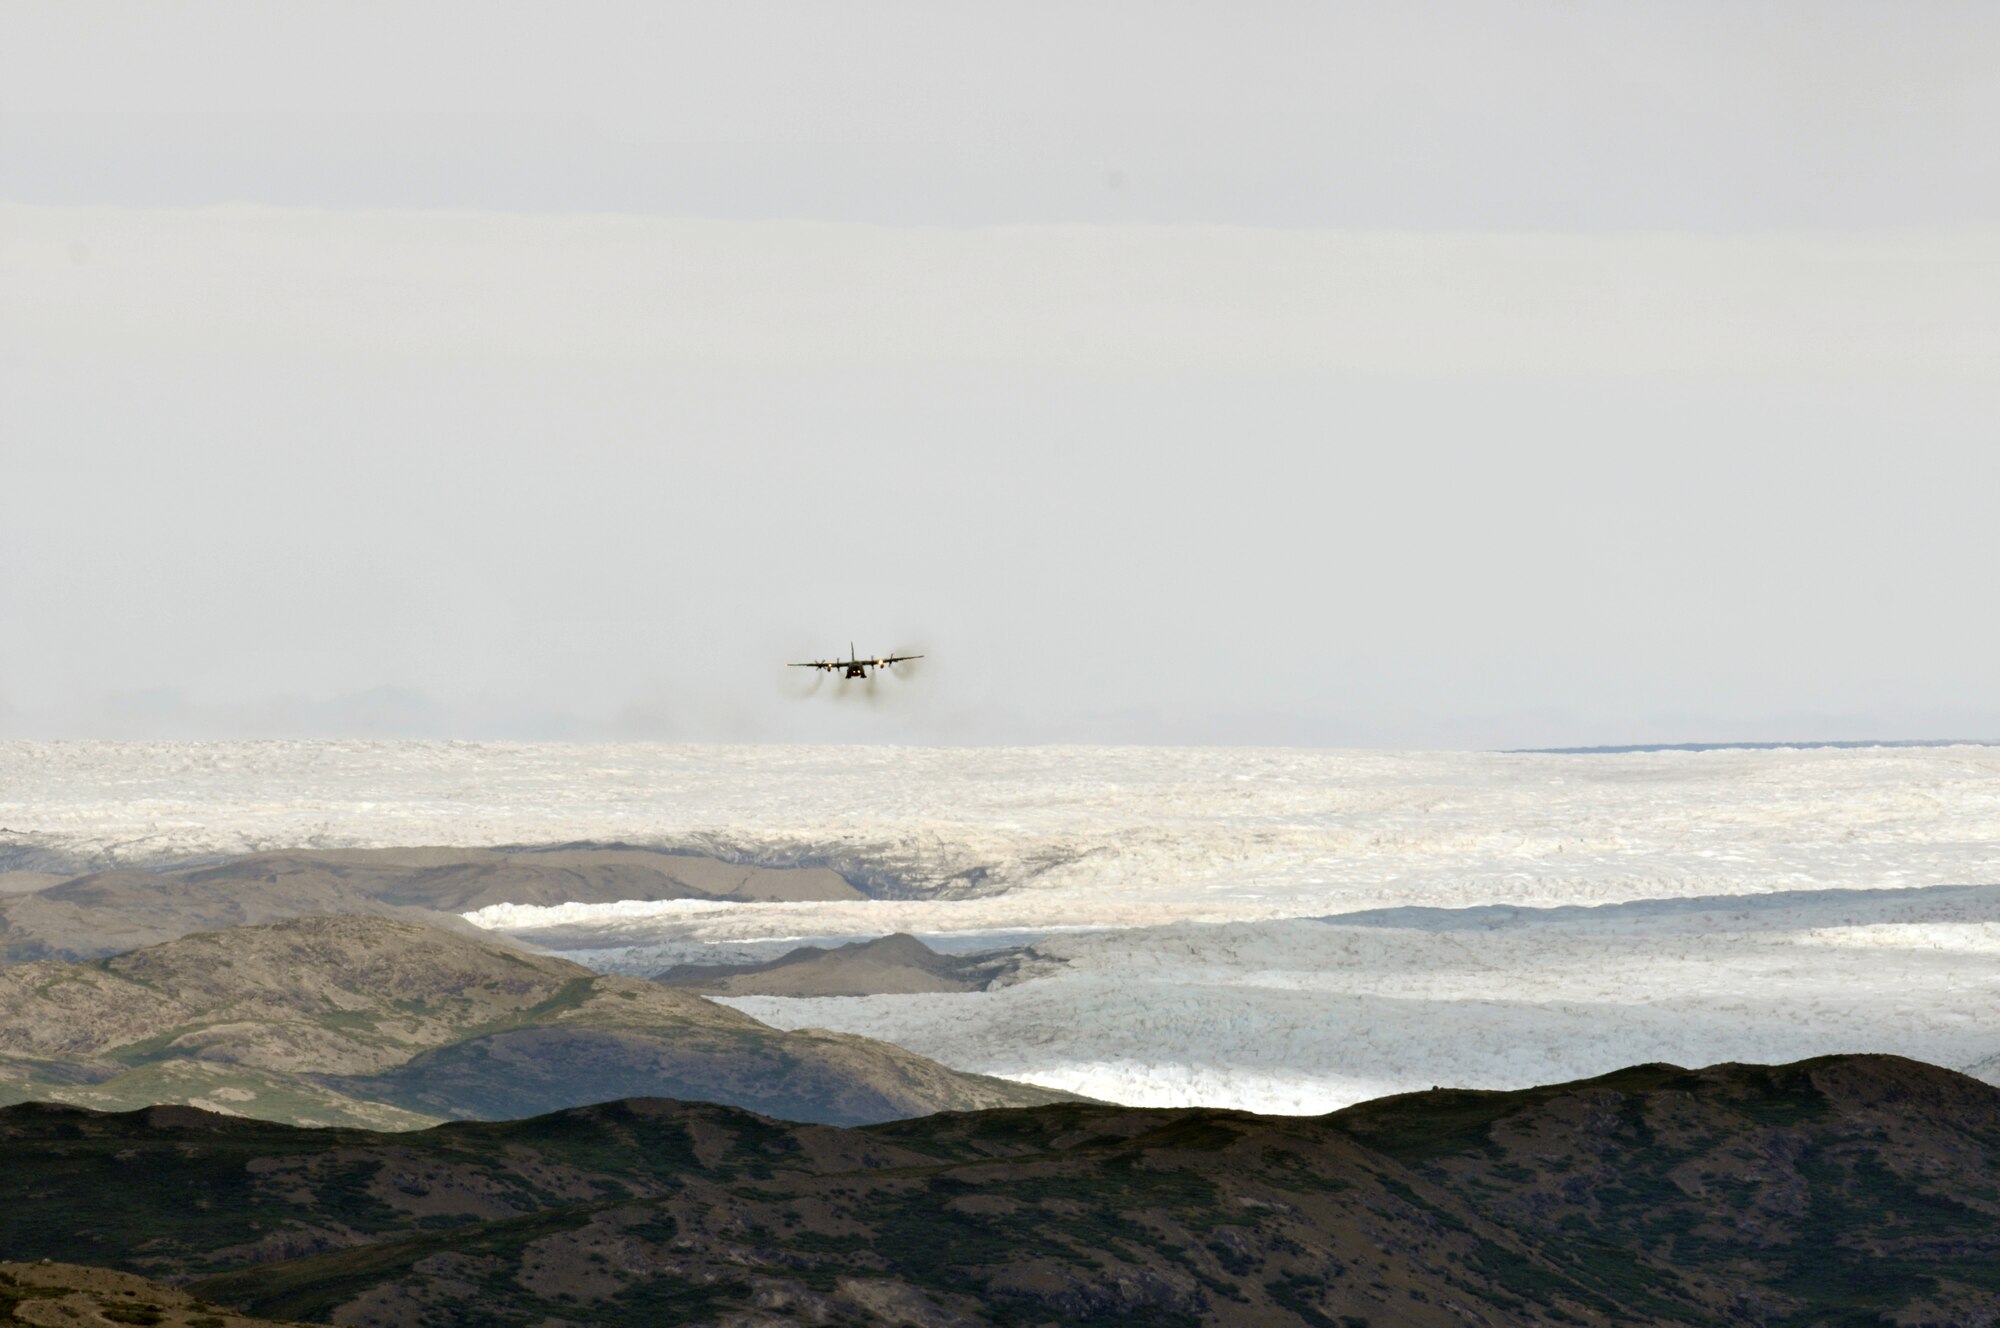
1069	835
1176	886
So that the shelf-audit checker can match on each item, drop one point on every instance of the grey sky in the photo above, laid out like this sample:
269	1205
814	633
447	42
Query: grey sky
1399	374
1562	116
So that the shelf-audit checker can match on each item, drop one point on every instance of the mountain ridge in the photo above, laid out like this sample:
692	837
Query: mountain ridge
106	912
896	964
376	1021
1840	1190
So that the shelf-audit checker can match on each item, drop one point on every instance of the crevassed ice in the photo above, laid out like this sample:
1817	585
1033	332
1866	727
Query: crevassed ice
1072	836
1957	937
525	917
1217	988
1311	1016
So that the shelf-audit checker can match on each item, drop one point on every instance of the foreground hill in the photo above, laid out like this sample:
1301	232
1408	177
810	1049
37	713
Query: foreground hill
60	1295
105	913
1847	1190
387	1023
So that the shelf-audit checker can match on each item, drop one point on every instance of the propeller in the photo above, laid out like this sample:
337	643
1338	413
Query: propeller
799	683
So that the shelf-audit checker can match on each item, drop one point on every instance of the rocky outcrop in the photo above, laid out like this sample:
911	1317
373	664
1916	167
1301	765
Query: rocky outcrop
382	1022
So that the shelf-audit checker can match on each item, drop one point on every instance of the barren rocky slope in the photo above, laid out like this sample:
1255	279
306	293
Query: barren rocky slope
112	911
60	1295
891	965
1848	1190
389	1023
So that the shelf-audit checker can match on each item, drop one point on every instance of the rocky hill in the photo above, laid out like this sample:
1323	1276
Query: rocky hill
59	1295
387	1023
109	912
1847	1190
890	965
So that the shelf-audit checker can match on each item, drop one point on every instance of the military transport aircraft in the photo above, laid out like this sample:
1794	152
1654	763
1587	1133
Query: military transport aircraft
853	667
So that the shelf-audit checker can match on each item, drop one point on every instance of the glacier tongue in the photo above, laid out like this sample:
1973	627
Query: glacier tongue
1309	1016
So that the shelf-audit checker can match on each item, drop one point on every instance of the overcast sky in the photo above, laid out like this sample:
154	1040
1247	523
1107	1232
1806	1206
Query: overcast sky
1394	374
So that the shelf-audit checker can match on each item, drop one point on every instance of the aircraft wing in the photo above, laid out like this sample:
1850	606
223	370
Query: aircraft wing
871	662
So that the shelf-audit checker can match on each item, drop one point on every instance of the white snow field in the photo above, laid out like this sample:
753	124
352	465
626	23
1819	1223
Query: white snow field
1173	891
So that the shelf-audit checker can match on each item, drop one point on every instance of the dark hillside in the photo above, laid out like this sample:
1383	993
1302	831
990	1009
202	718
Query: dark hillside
1847	1190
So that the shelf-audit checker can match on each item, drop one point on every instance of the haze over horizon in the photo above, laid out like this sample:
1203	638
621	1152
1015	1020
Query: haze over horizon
1415	376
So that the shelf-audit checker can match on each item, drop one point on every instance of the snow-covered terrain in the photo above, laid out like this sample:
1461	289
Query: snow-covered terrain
1066	835
1176	889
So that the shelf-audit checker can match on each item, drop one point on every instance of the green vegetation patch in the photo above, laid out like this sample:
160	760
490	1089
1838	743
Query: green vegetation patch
570	996
314	1286
1422	1127
1203	1134
1845	1285
1301	1295
666	1299
613	1139
12	1293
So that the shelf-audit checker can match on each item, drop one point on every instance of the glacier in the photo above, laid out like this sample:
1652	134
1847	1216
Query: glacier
1271	929
1306	1015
